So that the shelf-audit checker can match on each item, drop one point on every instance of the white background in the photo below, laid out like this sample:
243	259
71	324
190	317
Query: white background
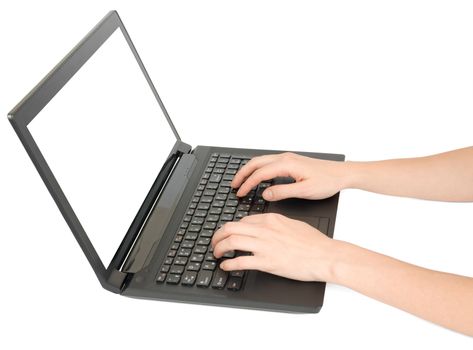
369	79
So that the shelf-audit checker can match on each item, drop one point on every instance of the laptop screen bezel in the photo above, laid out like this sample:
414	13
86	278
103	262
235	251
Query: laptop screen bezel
27	109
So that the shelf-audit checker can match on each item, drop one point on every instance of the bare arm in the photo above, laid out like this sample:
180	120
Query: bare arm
442	298
296	250
278	242
444	177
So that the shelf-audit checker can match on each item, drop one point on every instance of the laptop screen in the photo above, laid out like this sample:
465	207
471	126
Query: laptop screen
105	139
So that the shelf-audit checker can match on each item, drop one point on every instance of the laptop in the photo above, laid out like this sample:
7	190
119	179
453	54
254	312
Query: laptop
143	204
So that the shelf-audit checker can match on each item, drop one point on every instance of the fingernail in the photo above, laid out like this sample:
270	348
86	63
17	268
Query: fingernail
222	266
268	194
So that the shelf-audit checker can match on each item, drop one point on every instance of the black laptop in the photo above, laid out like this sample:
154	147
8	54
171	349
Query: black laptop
142	204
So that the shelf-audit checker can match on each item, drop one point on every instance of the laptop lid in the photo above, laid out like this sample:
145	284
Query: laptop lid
107	140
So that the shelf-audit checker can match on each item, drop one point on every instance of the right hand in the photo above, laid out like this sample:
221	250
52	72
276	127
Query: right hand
314	178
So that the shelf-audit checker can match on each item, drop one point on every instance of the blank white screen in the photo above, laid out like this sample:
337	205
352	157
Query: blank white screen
105	139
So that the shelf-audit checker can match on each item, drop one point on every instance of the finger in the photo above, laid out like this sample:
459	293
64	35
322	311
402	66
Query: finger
245	262
266	172
251	166
236	227
236	242
278	192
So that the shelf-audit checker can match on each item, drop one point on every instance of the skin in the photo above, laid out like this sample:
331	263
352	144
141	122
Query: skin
294	249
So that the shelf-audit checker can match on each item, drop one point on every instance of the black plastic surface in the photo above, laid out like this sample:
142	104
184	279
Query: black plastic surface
261	291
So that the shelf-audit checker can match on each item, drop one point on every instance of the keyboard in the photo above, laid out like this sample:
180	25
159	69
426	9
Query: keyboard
190	260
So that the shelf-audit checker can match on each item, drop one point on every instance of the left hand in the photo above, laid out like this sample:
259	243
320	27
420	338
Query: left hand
281	246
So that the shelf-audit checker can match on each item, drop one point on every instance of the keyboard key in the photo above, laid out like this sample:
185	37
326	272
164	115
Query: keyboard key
165	268
209	225
230	254
227	217
229	210
206	233
209	265
258	208
203	206
224	189
177	269
187	244
237	273
210	257
225	183
173	279
178	238
172	253
232	203
191	236
168	261
243	207
193	266
203	241
200	213
212	186
221	197
194	228
219	171
204	278
231	171
206	199
190	212
220	278
161	277
234	283
197	257
241	214
232	195
197	221
188	278
184	252
184	225
246	200
213	218
218	204
200	249
215	178
215	211
180	261
210	192
227	177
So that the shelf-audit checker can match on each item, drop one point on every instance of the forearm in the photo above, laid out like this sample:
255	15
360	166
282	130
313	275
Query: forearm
446	176
442	298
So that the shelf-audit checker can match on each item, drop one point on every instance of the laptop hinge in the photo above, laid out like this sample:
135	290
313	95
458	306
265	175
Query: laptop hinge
117	270
117	280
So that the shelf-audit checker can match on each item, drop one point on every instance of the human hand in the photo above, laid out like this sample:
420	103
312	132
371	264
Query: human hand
314	178
281	246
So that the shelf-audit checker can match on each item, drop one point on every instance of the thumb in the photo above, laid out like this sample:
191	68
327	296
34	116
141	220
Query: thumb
278	192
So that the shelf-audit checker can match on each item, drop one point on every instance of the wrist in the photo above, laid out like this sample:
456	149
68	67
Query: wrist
353	174
342	256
